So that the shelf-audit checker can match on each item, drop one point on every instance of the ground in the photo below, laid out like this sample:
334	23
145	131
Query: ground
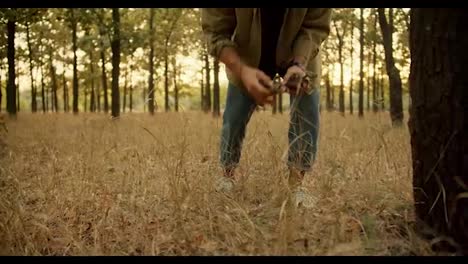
142	185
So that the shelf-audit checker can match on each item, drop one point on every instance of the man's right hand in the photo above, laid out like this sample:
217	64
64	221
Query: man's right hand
256	82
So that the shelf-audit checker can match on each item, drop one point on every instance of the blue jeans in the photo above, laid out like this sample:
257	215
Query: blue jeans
302	134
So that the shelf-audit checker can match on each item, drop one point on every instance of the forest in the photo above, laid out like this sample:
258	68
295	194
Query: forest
110	123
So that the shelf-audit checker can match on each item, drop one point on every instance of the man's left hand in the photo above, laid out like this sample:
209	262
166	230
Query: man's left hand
294	72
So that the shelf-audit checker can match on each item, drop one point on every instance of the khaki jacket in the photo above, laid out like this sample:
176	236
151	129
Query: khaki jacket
302	33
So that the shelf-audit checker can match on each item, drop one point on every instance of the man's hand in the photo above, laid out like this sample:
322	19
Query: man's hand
294	75
257	82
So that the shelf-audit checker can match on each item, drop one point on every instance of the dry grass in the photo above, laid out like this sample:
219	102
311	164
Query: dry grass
141	185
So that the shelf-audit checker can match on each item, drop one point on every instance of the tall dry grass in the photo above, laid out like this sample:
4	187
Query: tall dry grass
142	185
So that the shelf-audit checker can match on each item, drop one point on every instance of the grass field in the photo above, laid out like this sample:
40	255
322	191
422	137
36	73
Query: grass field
141	185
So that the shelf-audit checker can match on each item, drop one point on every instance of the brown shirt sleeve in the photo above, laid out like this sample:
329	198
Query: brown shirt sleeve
218	25
315	29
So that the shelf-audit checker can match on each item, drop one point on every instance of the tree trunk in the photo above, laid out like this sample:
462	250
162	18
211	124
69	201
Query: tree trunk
176	86
103	70
53	78
115	46
1	84
368	80
11	86
361	64
151	63
92	99
125	91
65	92
43	95
382	92
374	64
327	86
17	85
31	67
166	78
202	94
396	101
75	61
216	108
131	91
340	37
352	69
438	124
208	83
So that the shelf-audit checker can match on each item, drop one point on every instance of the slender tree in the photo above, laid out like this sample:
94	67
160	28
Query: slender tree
11	86
115	46
151	62
216	107
361	63
396	101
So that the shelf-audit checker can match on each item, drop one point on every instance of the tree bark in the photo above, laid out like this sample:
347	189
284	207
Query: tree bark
151	63
396	101
208	83
166	77
125	89
11	86
216	107
53	78
43	95
361	64
65	92
92	99
352	69
374	64
341	61
74	25
103	69
31	68
438	123
327	86
115	46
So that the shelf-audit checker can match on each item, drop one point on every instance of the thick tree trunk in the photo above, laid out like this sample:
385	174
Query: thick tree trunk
396	101
75	61
361	64
103	70
216	107
438	123
115	46
151	63
11	86
31	68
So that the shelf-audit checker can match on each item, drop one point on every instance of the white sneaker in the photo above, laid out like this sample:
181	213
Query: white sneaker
224	184
302	197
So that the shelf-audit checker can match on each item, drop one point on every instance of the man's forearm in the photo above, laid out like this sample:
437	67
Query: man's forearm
232	60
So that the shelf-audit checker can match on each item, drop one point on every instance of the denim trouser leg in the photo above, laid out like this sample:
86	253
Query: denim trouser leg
239	109
303	130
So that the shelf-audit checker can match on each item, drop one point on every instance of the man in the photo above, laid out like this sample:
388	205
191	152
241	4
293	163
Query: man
255	44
